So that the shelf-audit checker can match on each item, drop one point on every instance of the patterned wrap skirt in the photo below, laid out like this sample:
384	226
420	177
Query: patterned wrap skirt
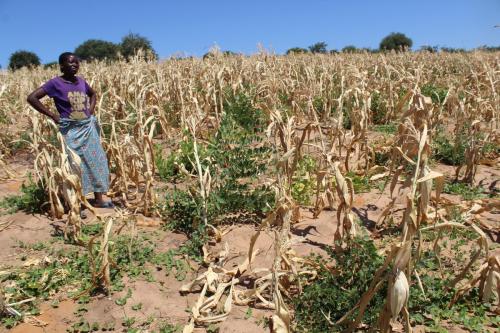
82	136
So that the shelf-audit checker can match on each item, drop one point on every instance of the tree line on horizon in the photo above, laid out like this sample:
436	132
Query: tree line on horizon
97	49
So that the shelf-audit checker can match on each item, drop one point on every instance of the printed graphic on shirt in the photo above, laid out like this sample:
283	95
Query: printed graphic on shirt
78	100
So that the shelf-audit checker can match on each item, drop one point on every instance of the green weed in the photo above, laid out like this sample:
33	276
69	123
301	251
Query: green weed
385	128
361	184
466	191
304	182
437	94
337	291
32	200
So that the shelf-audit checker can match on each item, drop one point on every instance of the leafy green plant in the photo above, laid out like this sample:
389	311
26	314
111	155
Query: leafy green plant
20	144
123	300
378	108
386	128
32	200
170	261
448	152
169	328
238	155
437	94
137	307
361	184
466	191
338	290
433	308
304	182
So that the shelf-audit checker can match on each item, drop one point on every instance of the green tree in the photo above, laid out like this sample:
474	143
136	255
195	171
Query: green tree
97	49
319	47
296	50
229	53
429	48
132	43
453	50
350	49
52	64
396	41
23	58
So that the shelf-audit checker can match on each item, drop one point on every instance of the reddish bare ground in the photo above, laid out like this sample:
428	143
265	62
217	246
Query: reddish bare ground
161	299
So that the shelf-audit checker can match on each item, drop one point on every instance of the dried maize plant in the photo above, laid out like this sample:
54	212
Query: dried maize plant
346	227
356	138
5	171
469	125
65	179
325	194
487	277
99	259
411	150
283	277
58	168
285	271
213	305
203	174
132	157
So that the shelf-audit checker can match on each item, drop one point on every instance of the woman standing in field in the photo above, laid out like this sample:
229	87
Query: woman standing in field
75	102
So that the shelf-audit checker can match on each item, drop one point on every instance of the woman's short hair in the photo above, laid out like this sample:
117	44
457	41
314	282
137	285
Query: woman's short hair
64	56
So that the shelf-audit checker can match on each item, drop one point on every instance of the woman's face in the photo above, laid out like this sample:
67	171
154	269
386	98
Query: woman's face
71	65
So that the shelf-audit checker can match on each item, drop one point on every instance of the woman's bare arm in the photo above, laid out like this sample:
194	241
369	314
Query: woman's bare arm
93	98
34	100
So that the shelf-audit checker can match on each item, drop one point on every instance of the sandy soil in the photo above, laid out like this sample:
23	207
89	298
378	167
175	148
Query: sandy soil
161	299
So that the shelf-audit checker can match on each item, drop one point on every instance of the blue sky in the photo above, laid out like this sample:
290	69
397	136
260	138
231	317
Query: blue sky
192	27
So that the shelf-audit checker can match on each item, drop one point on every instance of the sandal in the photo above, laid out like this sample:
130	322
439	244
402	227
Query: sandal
107	204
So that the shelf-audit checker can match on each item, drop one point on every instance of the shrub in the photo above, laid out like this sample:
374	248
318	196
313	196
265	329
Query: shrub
466	191
396	41
235	155
296	50
132	43
96	49
338	290
23	58
437	94
319	47
350	49
378	108
303	185
450	153
32	200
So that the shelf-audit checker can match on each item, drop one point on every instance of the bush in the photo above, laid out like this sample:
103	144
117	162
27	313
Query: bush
132	43
428	48
466	191
296	50
378	108
396	41
437	94
450	153
235	155
453	50
304	181
337	291
32	200
350	49
96	49
23	58
319	47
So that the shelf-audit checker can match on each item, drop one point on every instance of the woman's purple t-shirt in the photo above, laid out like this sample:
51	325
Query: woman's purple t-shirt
71	99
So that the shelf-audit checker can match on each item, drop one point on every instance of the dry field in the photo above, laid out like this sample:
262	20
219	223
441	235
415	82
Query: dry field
306	193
